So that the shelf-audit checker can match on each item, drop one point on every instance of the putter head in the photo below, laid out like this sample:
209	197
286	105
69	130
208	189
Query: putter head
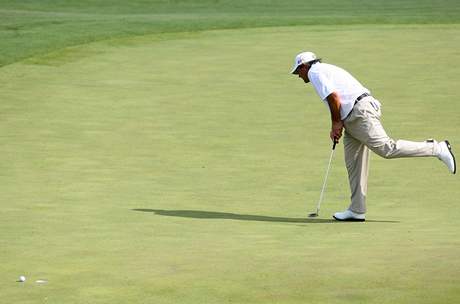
315	214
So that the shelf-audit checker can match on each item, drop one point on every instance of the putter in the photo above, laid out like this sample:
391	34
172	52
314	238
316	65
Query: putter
315	214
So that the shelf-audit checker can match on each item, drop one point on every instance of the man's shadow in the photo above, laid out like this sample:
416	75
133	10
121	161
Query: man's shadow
242	217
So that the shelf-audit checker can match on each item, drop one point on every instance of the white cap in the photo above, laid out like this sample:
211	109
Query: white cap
302	58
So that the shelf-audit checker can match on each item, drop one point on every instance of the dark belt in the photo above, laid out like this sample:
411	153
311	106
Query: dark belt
361	97
356	101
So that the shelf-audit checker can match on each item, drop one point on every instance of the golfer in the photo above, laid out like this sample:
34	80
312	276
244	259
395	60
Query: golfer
356	112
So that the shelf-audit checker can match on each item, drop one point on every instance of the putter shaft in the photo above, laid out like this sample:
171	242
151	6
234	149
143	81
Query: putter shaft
324	183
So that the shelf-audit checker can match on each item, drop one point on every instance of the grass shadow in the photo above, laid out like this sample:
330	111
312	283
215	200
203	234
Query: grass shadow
241	217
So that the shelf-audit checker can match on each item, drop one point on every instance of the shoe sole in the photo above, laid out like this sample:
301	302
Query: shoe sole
452	154
349	220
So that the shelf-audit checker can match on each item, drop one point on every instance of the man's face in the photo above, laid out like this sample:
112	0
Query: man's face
303	72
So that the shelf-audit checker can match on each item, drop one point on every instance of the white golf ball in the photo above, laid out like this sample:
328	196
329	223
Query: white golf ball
22	279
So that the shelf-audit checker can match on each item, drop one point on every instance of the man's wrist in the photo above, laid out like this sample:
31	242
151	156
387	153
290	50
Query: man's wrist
337	122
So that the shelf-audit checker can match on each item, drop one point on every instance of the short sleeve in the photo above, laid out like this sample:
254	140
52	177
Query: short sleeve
322	83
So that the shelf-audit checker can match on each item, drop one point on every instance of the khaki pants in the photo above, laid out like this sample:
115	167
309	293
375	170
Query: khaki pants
364	132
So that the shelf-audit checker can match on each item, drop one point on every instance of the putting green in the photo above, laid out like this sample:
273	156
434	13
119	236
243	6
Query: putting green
179	168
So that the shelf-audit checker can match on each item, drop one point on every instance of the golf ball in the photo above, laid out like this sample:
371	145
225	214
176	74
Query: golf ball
22	279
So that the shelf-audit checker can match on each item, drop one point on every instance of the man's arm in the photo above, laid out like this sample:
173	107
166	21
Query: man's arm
333	100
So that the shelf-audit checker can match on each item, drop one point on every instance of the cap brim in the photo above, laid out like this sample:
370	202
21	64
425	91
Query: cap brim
294	70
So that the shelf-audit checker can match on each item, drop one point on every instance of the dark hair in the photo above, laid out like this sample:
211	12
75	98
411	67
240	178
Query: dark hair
314	61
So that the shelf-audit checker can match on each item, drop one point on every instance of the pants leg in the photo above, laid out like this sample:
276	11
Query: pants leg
364	125
357	157
364	131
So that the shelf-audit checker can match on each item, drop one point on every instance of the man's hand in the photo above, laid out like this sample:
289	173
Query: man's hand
337	125
336	130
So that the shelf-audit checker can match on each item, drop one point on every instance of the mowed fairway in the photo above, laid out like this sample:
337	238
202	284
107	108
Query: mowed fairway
180	168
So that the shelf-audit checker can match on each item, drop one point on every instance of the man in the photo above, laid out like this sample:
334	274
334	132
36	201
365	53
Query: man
354	110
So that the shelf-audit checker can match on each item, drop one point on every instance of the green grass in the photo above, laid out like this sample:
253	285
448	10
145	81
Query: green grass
180	167
29	28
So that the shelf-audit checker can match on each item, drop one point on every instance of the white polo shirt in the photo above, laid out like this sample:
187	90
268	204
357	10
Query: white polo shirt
328	78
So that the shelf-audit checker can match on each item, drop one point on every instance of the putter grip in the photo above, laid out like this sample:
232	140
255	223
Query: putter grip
335	142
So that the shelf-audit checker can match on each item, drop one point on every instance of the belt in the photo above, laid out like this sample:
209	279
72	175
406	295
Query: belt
361	97
356	101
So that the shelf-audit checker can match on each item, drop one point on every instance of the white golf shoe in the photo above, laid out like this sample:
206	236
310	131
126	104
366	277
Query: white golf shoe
350	216
446	156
